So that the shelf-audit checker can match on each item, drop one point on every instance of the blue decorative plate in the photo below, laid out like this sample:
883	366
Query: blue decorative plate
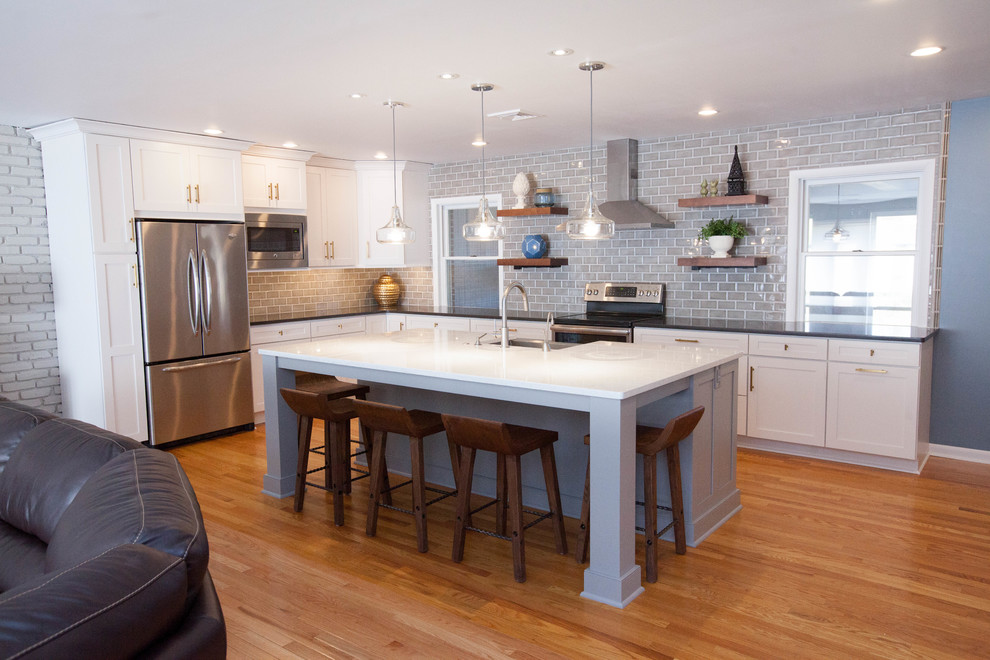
534	246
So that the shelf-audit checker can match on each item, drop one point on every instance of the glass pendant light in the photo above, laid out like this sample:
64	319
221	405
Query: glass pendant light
395	231
484	227
837	233
591	225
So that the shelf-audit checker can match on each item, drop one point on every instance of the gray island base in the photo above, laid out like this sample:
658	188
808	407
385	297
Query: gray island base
603	388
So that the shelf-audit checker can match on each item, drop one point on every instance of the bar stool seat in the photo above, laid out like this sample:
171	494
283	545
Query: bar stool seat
509	442
650	441
336	414
380	419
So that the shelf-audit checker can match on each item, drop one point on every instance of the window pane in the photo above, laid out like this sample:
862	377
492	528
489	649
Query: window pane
472	283
871	216
871	289
457	246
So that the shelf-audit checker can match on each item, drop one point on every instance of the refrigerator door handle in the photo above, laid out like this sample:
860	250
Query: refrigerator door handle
193	292
201	365
204	268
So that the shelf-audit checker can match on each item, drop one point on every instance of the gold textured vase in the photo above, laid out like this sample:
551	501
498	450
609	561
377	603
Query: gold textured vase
387	291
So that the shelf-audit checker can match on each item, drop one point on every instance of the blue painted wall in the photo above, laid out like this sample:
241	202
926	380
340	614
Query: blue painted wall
961	387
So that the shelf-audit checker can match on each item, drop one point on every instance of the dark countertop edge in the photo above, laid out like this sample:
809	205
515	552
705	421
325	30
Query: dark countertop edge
826	330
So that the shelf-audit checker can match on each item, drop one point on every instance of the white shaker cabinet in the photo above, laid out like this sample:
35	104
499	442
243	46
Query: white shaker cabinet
878	396
787	389
267	335
171	178
331	222
274	183
375	195
421	321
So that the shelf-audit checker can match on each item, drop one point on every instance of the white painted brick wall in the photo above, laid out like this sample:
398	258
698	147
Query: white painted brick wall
28	359
672	168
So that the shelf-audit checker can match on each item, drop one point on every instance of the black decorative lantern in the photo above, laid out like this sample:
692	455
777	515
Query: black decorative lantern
736	181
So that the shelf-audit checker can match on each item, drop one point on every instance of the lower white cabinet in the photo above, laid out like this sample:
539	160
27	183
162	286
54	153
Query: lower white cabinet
267	335
786	400
341	325
420	321
395	322
376	324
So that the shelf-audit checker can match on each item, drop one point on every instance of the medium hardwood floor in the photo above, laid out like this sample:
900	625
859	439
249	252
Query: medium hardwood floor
824	560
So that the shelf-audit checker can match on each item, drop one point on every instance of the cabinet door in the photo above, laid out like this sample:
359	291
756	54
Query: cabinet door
317	241
787	400
161	176
289	179
216	180
121	348
341	218
342	325
375	200
268	335
873	409
376	324
396	322
419	321
255	181
111	194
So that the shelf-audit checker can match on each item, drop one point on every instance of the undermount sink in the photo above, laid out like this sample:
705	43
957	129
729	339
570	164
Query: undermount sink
536	343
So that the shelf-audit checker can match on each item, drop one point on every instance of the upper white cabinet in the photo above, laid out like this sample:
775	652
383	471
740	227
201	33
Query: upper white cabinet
375	195
179	178
331	222
274	183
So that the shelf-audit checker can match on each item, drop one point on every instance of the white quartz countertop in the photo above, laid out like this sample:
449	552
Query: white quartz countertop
602	369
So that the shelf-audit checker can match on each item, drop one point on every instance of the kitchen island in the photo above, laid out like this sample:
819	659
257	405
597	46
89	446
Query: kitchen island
605	387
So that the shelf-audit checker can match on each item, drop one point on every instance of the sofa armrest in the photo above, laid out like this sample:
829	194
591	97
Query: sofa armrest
111	606
201	635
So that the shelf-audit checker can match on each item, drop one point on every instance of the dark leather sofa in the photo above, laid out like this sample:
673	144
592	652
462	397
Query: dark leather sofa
102	548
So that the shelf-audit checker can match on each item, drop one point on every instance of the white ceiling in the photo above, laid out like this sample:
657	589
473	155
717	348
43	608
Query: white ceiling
278	70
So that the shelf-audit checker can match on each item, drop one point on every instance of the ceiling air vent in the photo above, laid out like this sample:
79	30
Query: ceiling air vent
513	115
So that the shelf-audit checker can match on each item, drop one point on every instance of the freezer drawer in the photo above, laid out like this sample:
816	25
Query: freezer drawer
199	397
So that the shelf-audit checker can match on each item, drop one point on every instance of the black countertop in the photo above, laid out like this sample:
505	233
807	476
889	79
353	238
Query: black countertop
828	330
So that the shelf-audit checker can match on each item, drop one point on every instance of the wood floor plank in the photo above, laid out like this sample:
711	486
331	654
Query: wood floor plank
825	560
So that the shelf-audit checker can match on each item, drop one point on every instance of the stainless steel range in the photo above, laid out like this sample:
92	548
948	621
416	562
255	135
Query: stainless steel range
611	312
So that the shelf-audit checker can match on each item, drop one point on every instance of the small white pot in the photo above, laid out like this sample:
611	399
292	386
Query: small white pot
720	246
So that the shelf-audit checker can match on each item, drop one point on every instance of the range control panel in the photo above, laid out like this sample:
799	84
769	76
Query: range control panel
623	292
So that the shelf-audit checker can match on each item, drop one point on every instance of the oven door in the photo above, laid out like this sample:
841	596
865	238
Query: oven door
585	334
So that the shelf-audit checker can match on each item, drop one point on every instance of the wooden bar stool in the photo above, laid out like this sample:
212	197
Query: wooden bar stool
336	414
651	441
509	442
380	419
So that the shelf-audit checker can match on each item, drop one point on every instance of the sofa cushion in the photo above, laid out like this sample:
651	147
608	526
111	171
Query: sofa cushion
110	606
140	497
22	557
16	419
48	467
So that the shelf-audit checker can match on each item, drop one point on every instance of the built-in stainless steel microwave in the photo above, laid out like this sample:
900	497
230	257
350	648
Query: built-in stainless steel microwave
275	240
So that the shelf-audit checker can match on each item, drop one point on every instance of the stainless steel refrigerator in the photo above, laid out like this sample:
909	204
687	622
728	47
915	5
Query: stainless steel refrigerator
196	340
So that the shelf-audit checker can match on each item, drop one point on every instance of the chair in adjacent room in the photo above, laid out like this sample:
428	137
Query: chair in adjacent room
509	442
380	419
651	441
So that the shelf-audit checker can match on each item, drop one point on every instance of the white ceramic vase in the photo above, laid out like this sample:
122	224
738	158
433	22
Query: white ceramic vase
720	246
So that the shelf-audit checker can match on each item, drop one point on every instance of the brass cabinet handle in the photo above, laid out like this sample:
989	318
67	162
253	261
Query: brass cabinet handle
751	370
340	326
872	352
871	371
197	192
326	250
367	248
131	224
436	325
331	250
401	325
686	341
276	191
189	194
269	191
279	332
134	282
786	347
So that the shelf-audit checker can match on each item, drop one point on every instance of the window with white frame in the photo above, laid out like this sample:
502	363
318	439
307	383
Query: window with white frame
859	243
465	273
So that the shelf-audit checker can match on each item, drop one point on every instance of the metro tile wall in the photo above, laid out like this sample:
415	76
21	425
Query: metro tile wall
672	168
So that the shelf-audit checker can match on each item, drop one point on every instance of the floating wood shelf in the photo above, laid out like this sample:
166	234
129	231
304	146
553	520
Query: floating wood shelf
533	210
729	262
725	200
545	262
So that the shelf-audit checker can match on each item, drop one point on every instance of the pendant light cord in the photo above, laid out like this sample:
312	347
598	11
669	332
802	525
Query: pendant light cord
395	187
591	129
484	179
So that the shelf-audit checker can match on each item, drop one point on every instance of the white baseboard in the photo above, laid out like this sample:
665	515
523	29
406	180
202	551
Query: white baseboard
960	453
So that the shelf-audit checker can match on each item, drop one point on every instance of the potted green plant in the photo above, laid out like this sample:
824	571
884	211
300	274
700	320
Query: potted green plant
721	235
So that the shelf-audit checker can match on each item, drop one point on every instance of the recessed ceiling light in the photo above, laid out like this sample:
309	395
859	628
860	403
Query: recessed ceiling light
448	76
561	52
289	145
478	143
357	95
213	131
926	51
381	155
708	112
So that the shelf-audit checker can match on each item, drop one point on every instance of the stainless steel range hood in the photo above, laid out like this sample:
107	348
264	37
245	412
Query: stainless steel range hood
622	173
